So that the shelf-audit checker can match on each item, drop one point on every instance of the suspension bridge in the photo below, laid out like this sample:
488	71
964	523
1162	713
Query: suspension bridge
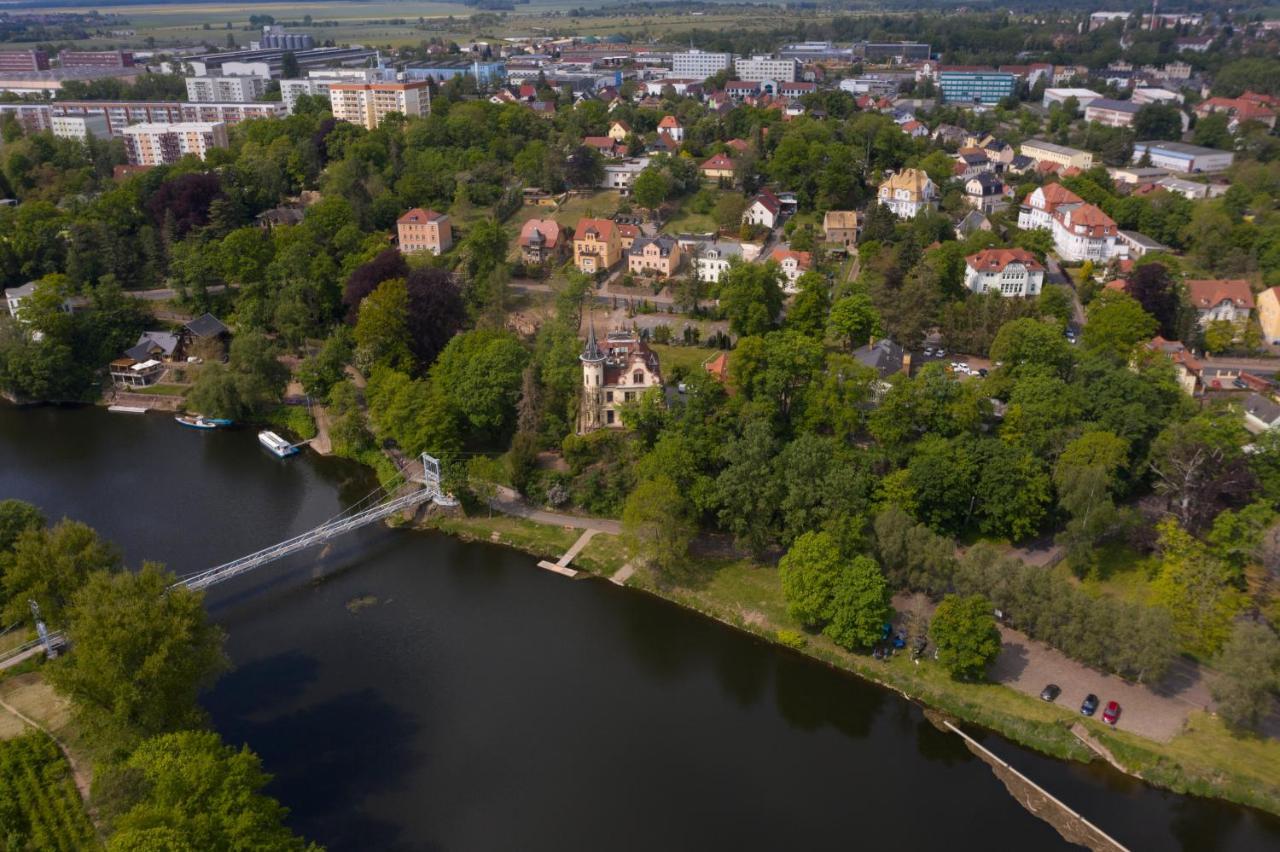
383	502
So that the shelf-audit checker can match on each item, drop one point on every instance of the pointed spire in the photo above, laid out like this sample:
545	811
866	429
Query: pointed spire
592	351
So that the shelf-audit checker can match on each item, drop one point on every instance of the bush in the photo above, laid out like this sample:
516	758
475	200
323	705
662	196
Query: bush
792	639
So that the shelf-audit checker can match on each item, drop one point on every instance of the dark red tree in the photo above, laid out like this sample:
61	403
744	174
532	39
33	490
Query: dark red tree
436	312
184	201
366	277
1153	287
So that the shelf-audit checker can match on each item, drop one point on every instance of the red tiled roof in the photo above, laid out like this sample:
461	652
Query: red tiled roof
549	229
1087	216
669	121
803	259
996	259
1210	292
603	228
769	200
418	216
718	163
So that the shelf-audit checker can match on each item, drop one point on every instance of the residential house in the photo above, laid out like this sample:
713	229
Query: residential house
671	126
971	162
971	223
886	358
620	174
719	169
1009	272
1186	368
15	296
1220	299
793	264
1080	231
127	373
765	209
712	259
1268	304
986	192
595	245
654	256
609	148
914	129
206	327
164	346
842	227
424	230
908	192
619	131
614	374
1260	413
628	233
541	241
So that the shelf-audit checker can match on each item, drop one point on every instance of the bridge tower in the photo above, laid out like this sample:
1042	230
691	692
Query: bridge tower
50	649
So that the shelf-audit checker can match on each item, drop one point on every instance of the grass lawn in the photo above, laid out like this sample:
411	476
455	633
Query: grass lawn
603	555
537	539
690	358
163	390
1121	573
294	420
14	638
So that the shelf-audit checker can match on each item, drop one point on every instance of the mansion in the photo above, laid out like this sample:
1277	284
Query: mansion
614	374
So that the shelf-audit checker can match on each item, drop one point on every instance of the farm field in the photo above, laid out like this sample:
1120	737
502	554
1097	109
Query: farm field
39	805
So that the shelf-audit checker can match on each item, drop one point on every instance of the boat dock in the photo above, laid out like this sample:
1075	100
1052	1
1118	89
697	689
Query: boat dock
561	566
128	409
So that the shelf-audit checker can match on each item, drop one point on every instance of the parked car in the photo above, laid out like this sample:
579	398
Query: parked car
1090	705
1111	713
1051	692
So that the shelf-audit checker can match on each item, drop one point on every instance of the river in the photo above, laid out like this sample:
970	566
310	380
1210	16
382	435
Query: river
412	692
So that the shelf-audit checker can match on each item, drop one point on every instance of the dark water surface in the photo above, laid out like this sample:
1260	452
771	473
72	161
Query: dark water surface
474	702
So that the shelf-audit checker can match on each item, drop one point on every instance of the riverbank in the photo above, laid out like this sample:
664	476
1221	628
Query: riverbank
1205	759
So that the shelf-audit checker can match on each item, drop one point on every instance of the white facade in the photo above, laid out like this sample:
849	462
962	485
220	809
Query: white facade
711	260
291	90
157	144
1180	157
1007	272
1086	233
81	127
619	175
909	193
225	89
699	65
759	69
1151	95
1060	96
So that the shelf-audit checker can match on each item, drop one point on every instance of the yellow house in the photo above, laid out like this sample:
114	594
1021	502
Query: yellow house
596	247
719	169
1268	305
619	131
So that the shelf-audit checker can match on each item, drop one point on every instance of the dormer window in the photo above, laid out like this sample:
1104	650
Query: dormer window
637	377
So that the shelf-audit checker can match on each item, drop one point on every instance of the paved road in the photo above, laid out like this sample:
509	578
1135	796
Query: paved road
1263	366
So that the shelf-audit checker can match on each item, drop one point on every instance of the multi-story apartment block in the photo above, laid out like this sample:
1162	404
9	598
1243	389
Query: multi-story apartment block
120	114
23	60
657	256
424	230
232	113
975	87
699	65
33	118
81	127
225	89
760	69
95	59
367	104
1111	113
155	144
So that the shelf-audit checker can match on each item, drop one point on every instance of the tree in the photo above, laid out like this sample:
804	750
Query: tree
144	649
1219	336
751	296
382	331
49	565
854	319
327	367
728	211
651	188
1153	288
1055	301
1158	121
808	312
1116	324
289	68
1032	344
656	524
1213	131
436	312
478	378
1199	468
810	573
365	278
252	380
1195	588
746	498
16	517
1249	668
188	790
859	605
964	631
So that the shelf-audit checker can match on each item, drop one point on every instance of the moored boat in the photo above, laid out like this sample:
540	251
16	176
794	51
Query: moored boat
277	445
195	421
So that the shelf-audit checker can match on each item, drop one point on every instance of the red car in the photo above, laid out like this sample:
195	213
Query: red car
1111	713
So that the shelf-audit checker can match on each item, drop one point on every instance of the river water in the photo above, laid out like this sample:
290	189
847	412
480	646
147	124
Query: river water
412	692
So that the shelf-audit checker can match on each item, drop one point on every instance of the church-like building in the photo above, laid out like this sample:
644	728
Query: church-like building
613	374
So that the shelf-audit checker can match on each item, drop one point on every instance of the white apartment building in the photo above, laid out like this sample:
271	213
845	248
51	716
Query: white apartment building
81	127
1043	151
759	69
236	90
156	144
711	259
367	104
232	113
318	82
699	65
620	174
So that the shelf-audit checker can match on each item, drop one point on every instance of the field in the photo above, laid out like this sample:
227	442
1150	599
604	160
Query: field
344	21
39	806
689	358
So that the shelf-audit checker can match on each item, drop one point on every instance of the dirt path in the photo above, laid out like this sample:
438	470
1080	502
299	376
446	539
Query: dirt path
508	502
80	773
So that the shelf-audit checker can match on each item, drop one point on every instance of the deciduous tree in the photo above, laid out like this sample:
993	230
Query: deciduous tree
964	631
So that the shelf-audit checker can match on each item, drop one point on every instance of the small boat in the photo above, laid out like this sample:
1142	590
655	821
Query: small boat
277	445
195	421
219	421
